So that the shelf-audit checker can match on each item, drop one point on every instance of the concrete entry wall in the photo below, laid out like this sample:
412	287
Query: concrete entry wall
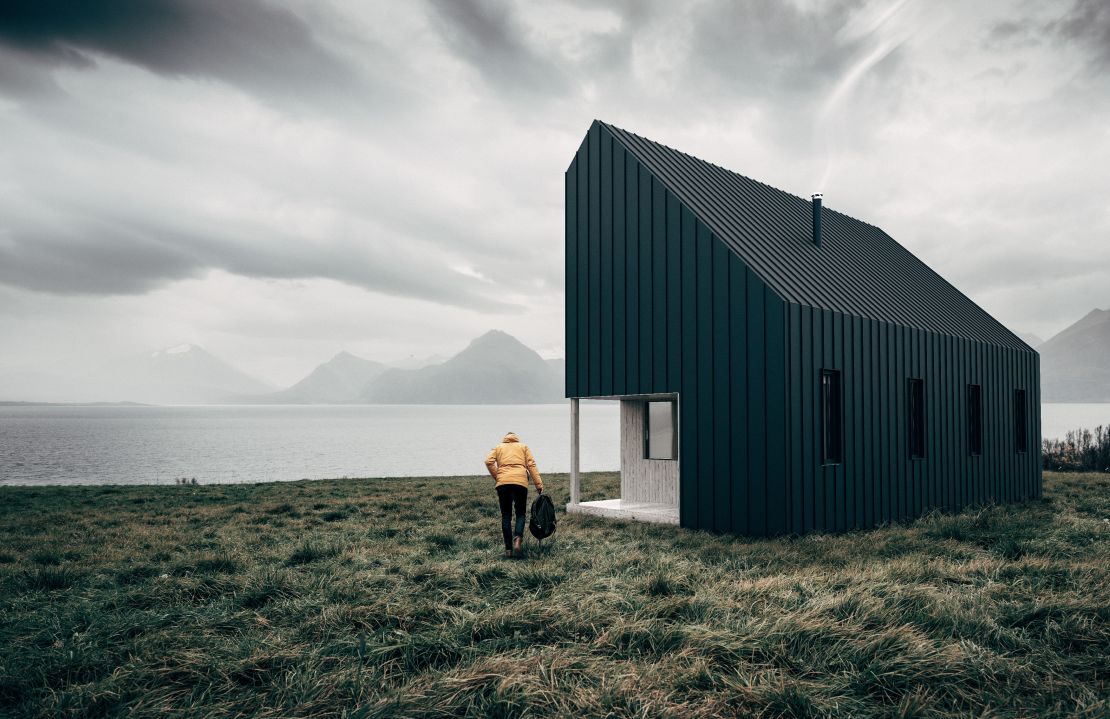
649	481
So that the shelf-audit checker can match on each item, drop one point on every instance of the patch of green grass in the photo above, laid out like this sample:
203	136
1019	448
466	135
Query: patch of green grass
215	564
284	508
265	600
46	559
664	584
312	551
48	579
267	586
440	541
135	575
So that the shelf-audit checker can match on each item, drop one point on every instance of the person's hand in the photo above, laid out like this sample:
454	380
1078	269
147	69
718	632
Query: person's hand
539	491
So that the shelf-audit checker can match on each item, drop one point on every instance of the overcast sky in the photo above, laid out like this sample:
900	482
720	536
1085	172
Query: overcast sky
281	181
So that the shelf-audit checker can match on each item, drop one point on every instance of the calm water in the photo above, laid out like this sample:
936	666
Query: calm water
151	445
133	445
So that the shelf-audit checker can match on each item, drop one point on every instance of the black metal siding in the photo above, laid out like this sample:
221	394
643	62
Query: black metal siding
657	304
878	482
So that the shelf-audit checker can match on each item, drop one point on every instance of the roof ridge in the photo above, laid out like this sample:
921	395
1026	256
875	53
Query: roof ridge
862	271
611	126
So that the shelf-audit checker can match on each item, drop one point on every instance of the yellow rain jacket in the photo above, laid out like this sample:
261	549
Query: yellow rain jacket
511	462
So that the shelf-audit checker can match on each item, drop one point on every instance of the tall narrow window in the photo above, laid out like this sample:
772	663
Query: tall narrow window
831	417
1021	425
660	439
974	419
917	419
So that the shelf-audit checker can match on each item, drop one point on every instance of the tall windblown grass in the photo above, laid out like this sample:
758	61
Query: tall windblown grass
348	599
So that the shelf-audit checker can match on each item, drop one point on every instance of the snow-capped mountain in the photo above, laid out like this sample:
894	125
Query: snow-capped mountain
182	374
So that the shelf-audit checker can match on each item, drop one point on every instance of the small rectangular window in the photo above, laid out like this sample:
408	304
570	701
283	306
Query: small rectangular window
659	430
831	417
974	419
1021	425
917	419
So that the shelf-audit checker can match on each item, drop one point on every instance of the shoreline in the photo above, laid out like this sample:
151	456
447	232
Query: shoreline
562	476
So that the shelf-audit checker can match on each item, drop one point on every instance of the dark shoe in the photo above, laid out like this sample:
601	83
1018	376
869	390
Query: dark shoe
508	554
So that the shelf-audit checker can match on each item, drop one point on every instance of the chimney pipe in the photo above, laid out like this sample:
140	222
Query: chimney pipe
817	218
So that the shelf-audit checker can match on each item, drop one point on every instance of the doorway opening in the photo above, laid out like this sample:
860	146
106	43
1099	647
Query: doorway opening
649	469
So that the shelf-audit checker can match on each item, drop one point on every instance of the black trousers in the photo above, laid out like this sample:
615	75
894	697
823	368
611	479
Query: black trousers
511	496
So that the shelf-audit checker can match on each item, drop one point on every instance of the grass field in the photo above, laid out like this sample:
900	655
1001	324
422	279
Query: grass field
348	598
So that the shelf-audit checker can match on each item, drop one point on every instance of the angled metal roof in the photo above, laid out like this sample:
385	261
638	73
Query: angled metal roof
858	269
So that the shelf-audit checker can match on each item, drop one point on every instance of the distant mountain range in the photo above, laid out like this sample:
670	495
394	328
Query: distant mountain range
184	374
1075	364
495	368
340	379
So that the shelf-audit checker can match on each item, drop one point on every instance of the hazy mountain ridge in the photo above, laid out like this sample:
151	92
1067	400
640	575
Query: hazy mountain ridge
413	362
340	379
1075	364
495	368
185	374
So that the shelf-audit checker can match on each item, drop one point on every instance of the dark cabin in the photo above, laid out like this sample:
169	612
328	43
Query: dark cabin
781	367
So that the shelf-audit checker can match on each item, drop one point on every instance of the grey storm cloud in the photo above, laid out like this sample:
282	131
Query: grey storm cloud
255	46
416	149
1088	22
750	47
487	35
107	257
773	48
249	43
1084	24
743	48
774	55
790	59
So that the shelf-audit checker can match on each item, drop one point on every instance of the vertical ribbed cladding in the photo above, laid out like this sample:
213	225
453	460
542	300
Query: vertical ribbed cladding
745	361
817	218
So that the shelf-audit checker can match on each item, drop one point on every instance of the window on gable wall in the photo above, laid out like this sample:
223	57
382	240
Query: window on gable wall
974	419
917	418
1021	424
832	430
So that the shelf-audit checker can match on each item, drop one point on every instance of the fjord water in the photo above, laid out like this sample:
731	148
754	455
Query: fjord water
156	445
152	445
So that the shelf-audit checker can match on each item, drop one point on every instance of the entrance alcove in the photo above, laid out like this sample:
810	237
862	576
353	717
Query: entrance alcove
648	461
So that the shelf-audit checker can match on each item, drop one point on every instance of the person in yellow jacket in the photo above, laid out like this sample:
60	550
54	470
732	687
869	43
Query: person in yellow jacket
510	464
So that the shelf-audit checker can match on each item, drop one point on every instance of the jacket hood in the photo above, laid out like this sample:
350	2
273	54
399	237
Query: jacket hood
510	437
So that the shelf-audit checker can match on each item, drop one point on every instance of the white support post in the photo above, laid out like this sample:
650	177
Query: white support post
574	451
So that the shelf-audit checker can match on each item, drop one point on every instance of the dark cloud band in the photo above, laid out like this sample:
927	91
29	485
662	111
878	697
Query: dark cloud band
247	42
